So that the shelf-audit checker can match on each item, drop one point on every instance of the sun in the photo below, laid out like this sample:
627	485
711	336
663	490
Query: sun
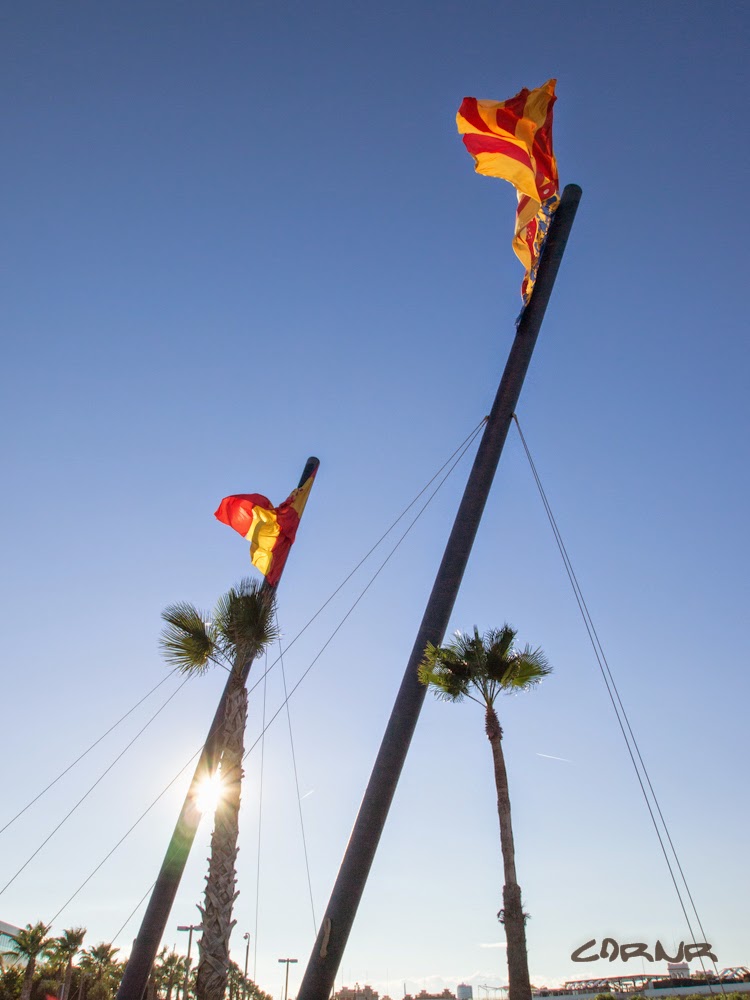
209	793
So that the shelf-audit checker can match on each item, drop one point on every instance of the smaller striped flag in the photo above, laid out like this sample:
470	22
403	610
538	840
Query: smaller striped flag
270	530
513	140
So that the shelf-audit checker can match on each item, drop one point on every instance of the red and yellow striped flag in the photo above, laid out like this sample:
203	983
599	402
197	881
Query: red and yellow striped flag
513	140
270	530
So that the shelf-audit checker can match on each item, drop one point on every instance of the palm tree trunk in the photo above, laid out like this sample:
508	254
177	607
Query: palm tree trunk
67	980
513	919
213	966
28	979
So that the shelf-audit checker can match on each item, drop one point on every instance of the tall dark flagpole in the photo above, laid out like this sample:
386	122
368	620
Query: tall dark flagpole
328	951
138	969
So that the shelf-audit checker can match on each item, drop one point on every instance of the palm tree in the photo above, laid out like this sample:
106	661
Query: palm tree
65	949
480	668
100	963
29	944
241	987
11	978
241	626
235	981
170	972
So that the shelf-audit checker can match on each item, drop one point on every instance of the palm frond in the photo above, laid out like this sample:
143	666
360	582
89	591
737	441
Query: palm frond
445	671
499	641
463	647
485	664
31	940
245	620
186	641
527	668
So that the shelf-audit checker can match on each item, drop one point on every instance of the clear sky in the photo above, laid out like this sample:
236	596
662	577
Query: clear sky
239	233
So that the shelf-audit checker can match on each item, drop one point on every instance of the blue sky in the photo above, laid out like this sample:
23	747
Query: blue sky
241	233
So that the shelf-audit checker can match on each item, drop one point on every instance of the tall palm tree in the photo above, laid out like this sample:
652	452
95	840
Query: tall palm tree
30	943
241	626
65	948
480	668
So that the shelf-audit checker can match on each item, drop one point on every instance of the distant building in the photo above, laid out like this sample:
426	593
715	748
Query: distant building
678	970
464	992
424	995
357	993
7	944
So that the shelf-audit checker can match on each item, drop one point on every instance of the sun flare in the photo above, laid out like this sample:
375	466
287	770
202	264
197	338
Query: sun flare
209	793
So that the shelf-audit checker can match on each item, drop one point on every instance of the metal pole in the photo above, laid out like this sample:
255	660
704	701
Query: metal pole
190	928
138	969
289	961
246	936
336	925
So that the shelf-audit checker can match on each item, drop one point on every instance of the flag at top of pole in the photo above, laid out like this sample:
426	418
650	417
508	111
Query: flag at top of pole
270	530
513	140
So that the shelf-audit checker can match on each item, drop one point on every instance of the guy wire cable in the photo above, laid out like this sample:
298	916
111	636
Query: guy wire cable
460	451
135	909
296	785
87	751
372	580
462	448
104	773
124	837
620	712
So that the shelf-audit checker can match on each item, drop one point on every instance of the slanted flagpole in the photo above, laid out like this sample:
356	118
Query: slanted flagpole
323	965
138	969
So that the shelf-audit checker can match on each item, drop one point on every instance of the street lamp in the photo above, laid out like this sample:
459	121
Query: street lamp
289	961
246	937
190	928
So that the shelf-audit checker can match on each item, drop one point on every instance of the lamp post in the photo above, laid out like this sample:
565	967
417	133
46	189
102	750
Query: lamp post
190	928
246	937
289	961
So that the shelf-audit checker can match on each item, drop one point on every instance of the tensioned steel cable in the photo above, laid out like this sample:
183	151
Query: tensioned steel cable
372	580
87	751
619	709
135	909
460	451
466	443
296	786
104	773
124	837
